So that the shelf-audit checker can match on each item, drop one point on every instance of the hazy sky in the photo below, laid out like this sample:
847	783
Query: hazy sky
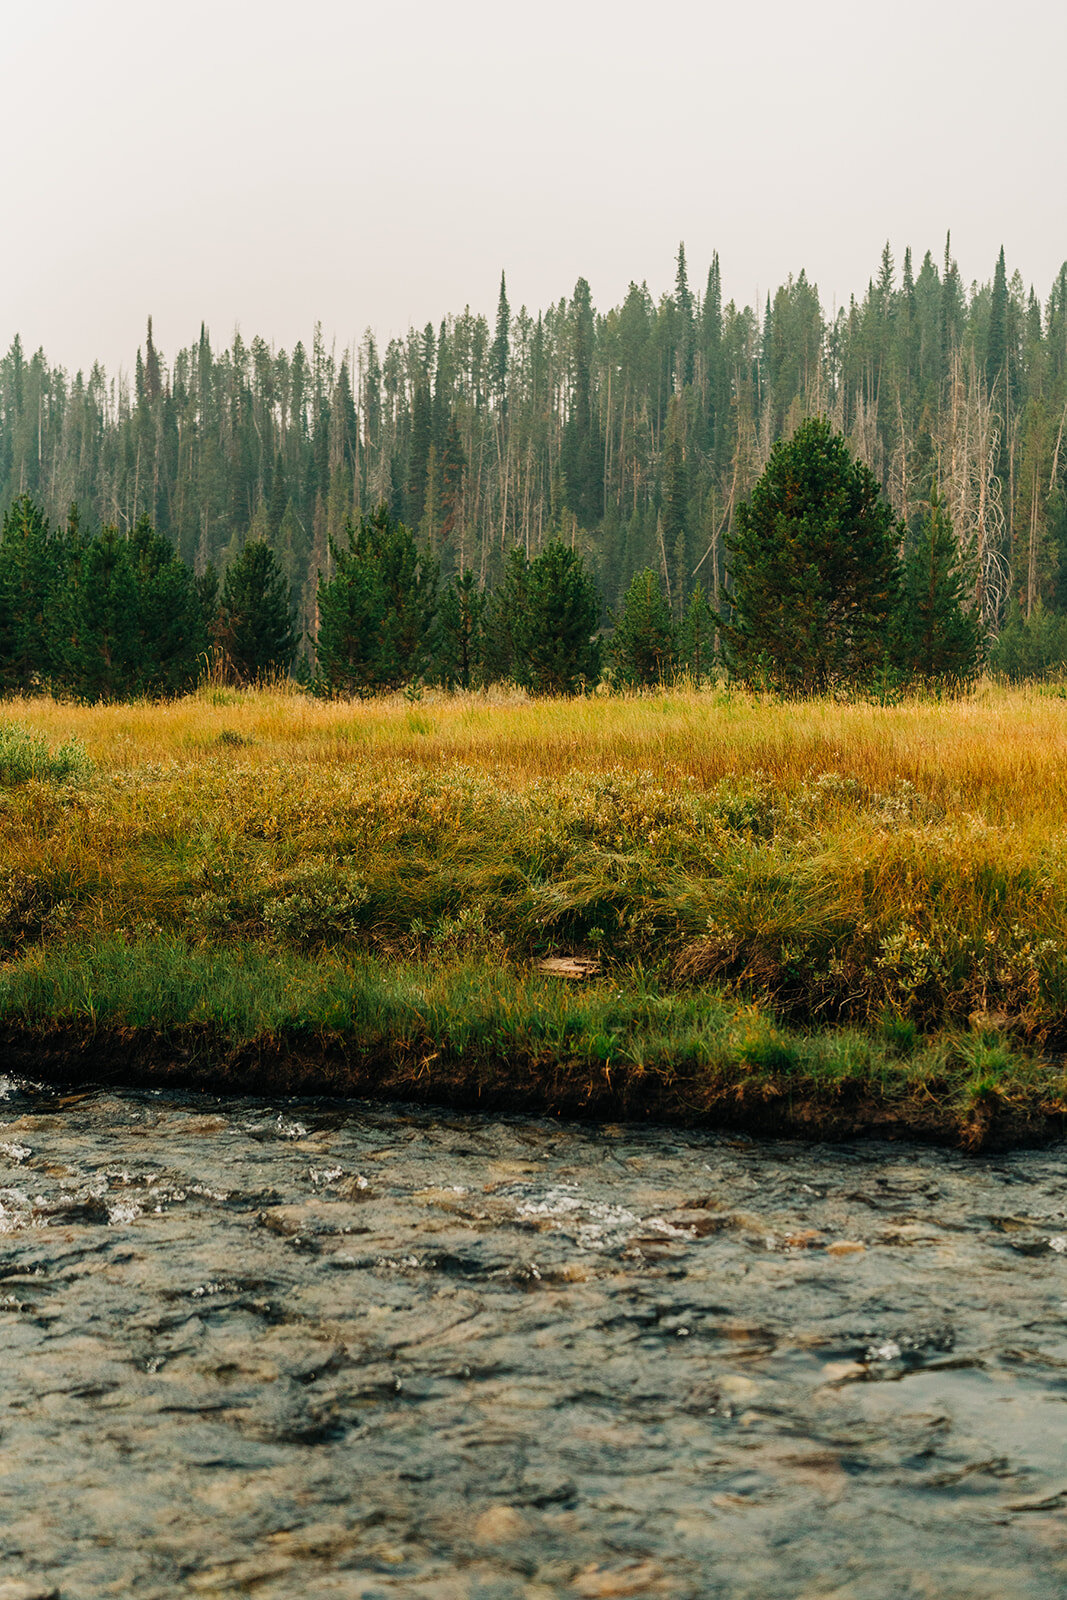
254	163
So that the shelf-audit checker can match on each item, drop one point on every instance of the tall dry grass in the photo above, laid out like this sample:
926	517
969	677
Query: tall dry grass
999	753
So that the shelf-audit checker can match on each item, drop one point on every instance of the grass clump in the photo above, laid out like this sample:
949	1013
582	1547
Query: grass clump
26	757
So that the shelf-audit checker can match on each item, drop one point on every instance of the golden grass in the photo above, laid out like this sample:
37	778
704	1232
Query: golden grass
836	861
999	753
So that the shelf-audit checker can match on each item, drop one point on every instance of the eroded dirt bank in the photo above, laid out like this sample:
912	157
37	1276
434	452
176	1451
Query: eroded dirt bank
300	1065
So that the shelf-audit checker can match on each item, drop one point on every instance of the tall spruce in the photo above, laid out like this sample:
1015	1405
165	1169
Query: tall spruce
814	575
30	576
498	355
506	621
378	611
696	637
939	635
582	448
257	626
643	645
460	655
557	634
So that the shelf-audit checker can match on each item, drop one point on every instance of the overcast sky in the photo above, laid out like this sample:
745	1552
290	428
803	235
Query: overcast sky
267	164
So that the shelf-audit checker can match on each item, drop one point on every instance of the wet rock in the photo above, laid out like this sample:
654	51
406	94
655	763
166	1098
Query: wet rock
737	1388
26	1589
241	1574
599	1583
501	1525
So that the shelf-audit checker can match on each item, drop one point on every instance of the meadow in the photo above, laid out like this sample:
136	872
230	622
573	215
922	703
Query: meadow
812	916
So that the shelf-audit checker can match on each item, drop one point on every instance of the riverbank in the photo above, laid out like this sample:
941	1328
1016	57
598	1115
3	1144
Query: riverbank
477	1036
813	919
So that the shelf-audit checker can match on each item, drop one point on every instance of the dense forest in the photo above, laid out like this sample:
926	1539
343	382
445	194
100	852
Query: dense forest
632	435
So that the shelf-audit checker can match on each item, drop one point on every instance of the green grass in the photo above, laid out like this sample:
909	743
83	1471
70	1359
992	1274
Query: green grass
471	1031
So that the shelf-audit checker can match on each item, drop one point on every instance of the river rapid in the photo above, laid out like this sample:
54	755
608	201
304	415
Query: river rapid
311	1349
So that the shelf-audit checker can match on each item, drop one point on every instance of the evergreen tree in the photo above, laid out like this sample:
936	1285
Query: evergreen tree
449	482
643	644
675	476
997	335
814	575
498	356
29	580
173	638
106	659
683	300
938	635
257	623
207	592
583	446
556	638
696	640
505	622
419	455
279	497
1031	647
378	611
460	656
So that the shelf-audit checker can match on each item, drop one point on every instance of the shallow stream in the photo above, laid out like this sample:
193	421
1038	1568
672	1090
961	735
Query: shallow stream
306	1349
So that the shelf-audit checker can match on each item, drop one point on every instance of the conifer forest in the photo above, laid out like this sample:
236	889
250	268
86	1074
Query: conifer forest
630	435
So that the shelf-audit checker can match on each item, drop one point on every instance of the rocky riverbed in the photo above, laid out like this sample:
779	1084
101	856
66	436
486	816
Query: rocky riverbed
319	1349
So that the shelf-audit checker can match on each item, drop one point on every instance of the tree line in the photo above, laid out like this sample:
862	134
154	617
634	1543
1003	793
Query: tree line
631	435
819	598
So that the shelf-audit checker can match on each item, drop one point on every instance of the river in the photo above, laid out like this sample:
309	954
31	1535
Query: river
310	1349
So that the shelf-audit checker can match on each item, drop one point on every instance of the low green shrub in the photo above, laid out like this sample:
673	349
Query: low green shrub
26	757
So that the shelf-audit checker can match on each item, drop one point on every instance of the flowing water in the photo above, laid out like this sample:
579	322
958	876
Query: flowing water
312	1349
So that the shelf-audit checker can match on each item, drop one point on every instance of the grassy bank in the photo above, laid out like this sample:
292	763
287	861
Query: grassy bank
814	916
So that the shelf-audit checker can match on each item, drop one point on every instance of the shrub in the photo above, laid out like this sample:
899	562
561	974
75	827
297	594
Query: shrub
24	756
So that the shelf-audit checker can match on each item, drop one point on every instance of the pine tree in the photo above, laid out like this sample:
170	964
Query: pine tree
814	575
29	580
997	335
696	639
582	448
556	637
172	637
643	644
460	655
107	661
498	355
421	444
675	481
506	612
257	623
450	466
938	636
279	498
207	592
683	300
378	611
